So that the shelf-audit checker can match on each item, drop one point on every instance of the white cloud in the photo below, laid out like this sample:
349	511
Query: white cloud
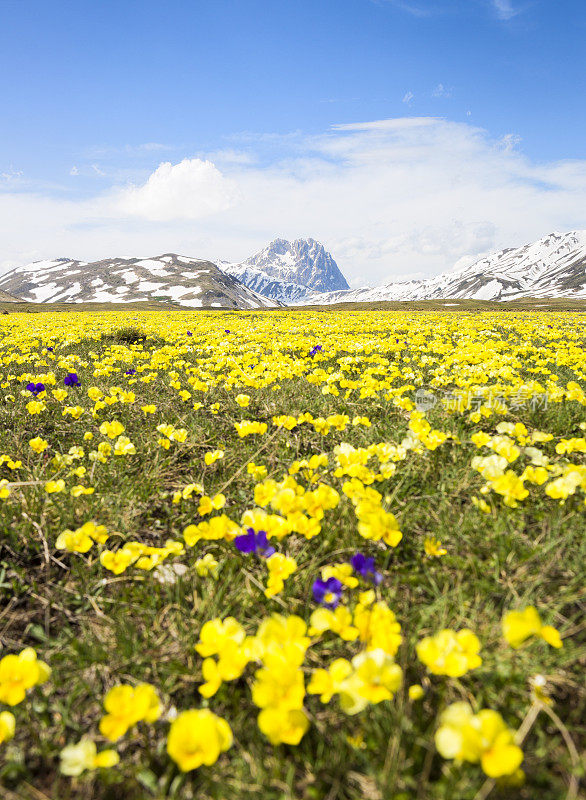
189	190
11	176
505	9
387	197
442	91
74	170
408	97
509	141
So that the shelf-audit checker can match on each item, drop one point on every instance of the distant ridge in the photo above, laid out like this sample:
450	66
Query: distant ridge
188	281
554	266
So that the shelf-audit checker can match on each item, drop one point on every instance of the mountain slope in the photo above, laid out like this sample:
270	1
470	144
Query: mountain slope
188	281
288	271
7	298
554	266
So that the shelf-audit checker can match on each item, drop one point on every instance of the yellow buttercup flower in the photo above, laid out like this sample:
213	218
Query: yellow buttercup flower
452	653
518	626
111	429
482	737
433	547
38	445
54	487
19	673
198	737
77	758
7	726
126	706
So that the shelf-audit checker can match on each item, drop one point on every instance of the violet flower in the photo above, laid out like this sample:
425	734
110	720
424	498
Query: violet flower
327	593
252	542
35	388
366	567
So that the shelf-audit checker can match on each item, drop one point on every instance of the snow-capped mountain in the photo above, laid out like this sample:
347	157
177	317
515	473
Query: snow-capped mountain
188	281
288	271
554	266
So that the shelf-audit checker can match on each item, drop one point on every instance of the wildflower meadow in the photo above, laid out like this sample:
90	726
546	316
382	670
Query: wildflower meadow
292	554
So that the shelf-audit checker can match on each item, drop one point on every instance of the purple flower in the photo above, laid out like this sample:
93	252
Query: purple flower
365	567
36	388
49	349
226	330
189	333
130	372
251	542
72	379
328	593
315	350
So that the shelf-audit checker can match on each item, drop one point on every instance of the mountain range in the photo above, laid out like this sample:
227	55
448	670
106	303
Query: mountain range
298	273
554	266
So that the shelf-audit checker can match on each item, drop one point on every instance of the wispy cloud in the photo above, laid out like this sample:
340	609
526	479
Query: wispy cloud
416	10
442	91
505	9
407	98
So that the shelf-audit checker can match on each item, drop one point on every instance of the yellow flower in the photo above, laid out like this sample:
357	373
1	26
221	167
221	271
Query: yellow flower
206	566
242	399
377	625
482	737
112	429
35	407
433	547
510	486
328	682
247	427
481	505
38	445
79	489
53	487
76	758
339	621
281	725
213	456
258	471
280	568
450	652
342	572
73	411
7	726
197	737
208	504
216	635
81	540
521	625
124	447
117	562
375	677
21	672
415	691
126	706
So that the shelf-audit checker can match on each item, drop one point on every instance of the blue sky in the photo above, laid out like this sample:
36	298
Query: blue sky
251	100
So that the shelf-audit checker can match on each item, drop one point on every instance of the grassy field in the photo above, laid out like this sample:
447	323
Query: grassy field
142	452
